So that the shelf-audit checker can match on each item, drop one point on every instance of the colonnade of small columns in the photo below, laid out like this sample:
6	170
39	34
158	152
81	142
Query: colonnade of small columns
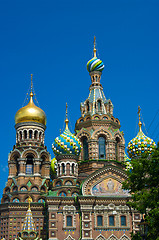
30	134
67	169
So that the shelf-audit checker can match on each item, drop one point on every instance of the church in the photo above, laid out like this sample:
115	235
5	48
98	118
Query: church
78	195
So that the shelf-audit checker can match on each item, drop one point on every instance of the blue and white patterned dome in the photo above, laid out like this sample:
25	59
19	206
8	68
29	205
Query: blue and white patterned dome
66	143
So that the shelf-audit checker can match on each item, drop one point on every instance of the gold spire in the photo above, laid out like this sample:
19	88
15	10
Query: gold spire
29	201
94	50
66	120
140	123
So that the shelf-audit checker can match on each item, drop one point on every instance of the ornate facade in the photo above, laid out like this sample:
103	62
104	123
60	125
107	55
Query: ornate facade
83	199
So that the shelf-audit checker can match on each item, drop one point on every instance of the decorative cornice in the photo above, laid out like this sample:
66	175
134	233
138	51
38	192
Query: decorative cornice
24	124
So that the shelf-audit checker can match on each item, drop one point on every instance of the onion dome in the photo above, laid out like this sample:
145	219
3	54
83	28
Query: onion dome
127	162
53	165
95	64
141	143
66	143
30	113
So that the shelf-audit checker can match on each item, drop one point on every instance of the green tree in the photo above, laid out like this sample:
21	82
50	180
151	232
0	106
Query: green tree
143	183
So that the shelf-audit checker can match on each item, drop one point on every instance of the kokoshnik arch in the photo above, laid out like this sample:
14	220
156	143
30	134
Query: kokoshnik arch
77	195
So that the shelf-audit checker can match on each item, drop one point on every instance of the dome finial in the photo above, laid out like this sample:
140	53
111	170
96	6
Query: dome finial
140	123
94	50
66	120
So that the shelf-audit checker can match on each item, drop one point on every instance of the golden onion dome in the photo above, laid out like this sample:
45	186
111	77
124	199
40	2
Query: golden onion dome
30	113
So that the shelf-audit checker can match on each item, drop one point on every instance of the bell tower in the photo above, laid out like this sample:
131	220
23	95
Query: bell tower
29	161
97	128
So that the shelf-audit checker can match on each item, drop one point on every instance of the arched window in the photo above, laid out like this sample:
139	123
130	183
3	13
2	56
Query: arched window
62	194
25	134
85	148
68	183
23	189
69	221
29	165
30	134
102	148
63	168
117	142
41	200
15	200
99	105
34	189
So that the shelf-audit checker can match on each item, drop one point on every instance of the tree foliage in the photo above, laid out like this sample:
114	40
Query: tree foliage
143	183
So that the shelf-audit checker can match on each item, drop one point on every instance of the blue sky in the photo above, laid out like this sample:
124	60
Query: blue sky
53	40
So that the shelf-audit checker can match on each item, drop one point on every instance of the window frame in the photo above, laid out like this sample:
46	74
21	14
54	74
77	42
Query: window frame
111	225
70	219
124	220
101	144
99	218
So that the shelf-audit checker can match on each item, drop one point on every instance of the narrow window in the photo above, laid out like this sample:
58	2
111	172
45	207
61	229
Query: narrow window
123	220
25	134
85	148
69	221
73	171
63	168
99	105
99	220
30	134
87	106
29	165
102	149
111	221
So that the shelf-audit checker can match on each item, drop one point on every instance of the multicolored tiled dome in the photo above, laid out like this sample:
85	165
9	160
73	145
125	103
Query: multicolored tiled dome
95	64
66	143
141	143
